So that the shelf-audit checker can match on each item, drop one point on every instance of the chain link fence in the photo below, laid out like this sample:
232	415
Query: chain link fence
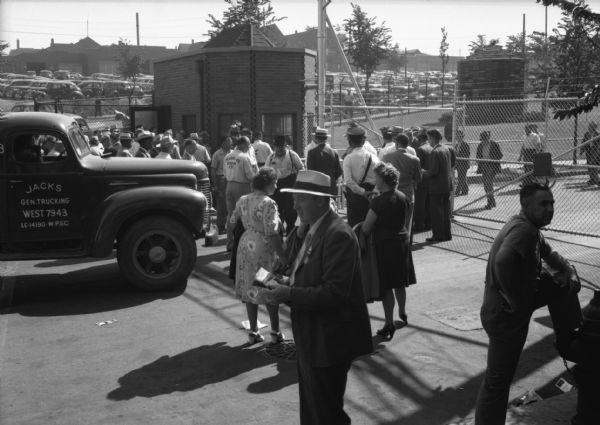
489	184
477	215
100	113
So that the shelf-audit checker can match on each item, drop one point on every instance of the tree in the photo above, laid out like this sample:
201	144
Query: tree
444	45
580	12
3	46
129	65
481	45
258	12
367	44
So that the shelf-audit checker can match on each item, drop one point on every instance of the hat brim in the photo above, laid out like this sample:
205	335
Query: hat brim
322	135
307	192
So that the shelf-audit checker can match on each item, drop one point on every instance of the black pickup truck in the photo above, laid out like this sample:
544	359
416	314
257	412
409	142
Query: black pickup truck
60	201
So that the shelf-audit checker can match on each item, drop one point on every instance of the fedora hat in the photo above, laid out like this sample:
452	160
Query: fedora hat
397	129
312	183
321	132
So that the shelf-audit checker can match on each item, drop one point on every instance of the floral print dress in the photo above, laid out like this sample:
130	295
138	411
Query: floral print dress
259	216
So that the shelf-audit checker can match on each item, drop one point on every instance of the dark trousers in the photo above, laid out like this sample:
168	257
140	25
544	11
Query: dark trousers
504	350
357	207
488	187
221	204
462	187
422	216
528	155
439	206
322	394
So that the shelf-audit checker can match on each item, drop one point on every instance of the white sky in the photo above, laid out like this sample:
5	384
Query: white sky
415	24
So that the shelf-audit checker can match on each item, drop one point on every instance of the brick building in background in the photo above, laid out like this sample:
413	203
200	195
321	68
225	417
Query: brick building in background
86	57
240	75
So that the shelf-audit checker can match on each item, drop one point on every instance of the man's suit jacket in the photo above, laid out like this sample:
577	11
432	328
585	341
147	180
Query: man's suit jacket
324	159
409	167
495	153
330	320
440	170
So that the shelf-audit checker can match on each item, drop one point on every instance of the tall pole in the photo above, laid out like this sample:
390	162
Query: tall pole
524	58
321	60
137	27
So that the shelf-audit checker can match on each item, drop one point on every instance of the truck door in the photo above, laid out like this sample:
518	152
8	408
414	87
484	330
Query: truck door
43	189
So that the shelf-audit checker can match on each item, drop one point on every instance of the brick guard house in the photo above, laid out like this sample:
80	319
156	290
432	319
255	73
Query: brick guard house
240	74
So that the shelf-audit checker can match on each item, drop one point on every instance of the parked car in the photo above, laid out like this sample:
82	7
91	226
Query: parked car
54	89
118	88
92	88
78	205
62	74
46	73
18	89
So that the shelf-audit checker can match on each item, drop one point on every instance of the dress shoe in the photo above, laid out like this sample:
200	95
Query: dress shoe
387	332
404	318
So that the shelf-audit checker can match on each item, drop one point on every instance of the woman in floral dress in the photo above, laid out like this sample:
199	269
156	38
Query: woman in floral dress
258	247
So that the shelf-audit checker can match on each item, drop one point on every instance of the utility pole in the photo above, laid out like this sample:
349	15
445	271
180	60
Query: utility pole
524	58
321	60
137	27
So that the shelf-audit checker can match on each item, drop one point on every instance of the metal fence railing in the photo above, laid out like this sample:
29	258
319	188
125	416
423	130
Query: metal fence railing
100	113
575	229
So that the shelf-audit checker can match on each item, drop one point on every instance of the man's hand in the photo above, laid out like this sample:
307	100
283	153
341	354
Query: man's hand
368	194
278	293
573	281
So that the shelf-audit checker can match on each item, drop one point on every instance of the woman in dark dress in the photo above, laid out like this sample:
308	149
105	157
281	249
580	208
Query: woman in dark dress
386	218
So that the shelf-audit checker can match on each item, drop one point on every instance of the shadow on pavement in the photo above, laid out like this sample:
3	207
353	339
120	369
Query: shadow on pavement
442	405
91	290
195	368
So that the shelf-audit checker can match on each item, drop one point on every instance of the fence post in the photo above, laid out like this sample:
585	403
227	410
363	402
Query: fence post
575	139
454	112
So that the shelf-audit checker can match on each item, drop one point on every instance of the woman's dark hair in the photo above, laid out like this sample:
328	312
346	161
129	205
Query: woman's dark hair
388	173
265	176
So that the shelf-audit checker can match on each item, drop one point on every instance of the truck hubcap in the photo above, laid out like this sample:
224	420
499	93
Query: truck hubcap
157	254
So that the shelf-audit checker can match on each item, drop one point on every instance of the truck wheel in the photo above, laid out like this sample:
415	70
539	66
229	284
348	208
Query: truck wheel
157	254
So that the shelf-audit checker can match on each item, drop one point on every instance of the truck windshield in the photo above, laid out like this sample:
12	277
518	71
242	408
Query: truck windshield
79	144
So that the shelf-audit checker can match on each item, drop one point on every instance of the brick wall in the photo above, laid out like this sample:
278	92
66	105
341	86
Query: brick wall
277	85
177	83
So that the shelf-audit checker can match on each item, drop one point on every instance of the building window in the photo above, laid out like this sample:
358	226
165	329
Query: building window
277	124
188	123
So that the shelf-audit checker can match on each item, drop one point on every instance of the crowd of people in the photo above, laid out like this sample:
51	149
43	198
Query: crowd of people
289	245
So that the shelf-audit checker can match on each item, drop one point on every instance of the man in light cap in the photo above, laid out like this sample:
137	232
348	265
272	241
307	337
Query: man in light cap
165	148
330	320
359	177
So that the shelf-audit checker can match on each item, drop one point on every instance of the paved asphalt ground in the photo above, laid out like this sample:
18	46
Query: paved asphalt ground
77	346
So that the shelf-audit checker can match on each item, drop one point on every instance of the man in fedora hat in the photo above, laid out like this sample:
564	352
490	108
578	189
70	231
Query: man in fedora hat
330	320
324	159
126	140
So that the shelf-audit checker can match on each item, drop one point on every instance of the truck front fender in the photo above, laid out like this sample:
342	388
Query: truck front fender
121	208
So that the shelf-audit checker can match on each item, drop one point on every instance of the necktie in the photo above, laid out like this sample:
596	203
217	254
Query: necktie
300	257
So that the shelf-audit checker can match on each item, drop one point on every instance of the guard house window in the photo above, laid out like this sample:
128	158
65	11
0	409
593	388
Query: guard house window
277	124
225	121
188	123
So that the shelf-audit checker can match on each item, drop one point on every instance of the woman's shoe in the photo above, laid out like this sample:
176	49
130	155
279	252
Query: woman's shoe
387	332
277	337
255	337
404	318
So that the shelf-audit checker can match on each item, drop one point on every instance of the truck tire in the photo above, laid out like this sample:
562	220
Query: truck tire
156	254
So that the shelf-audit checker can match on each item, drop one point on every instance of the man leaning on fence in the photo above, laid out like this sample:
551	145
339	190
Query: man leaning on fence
512	287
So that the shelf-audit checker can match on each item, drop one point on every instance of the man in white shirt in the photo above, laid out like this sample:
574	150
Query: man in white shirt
531	146
359	177
388	143
262	150
286	164
165	148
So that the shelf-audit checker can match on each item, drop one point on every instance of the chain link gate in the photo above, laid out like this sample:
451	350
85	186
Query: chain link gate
574	230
